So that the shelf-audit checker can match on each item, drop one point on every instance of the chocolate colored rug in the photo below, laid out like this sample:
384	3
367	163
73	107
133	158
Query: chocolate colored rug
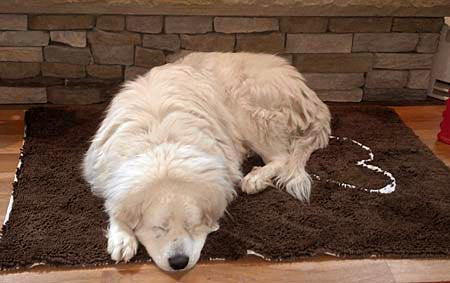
378	191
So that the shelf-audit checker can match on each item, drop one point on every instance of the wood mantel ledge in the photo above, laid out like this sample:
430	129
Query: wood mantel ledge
385	8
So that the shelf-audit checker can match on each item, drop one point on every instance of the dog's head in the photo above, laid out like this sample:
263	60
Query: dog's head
171	197
174	226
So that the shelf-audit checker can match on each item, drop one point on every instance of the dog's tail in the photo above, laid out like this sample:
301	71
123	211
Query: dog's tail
294	177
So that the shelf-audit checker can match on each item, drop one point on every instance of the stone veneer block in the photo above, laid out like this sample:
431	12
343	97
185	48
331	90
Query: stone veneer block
13	22
74	95
186	24
386	79
61	22
149	57
145	24
374	94
428	42
62	70
245	24
360	24
71	38
104	71
334	63
385	42
419	79
23	38
133	72
113	48
22	95
208	42
334	81
114	38
64	54
319	43
113	55
303	24
16	70
418	24
266	43
403	61
169	42
21	54
351	95
110	23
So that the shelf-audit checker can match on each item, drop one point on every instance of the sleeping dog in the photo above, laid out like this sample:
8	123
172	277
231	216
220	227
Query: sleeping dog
168	154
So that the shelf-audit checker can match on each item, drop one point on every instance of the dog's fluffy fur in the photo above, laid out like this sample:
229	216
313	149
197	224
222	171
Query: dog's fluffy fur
168	153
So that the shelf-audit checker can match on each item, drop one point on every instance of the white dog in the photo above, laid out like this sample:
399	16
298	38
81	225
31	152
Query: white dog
168	154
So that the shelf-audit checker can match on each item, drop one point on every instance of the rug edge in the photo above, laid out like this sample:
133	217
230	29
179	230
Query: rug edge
19	167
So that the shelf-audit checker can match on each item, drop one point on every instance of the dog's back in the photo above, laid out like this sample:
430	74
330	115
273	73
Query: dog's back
263	84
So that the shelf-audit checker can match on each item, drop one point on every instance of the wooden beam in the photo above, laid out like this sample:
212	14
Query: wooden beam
423	8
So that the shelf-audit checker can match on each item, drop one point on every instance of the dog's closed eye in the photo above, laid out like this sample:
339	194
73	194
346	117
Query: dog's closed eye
192	228
202	228
159	230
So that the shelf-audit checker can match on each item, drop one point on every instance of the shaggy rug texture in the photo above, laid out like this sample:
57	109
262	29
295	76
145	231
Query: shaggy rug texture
377	191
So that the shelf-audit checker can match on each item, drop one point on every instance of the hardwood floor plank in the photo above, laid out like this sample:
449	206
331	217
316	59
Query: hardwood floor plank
425	122
326	271
63	276
4	202
11	127
12	115
413	270
6	180
10	143
9	162
11	122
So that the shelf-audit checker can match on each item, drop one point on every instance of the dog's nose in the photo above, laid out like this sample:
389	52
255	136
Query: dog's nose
178	262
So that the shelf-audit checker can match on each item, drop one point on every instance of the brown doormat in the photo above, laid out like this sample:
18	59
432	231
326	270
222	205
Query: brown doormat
55	219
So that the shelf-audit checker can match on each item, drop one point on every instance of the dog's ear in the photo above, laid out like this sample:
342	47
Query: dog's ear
210	223
130	214
214	226
213	206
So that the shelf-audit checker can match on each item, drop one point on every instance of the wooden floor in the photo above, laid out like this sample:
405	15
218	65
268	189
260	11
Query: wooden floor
424	120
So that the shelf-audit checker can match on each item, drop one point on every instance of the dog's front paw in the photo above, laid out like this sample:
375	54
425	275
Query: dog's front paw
254	182
121	245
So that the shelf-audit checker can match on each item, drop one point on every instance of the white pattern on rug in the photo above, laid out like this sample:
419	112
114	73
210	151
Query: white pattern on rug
389	188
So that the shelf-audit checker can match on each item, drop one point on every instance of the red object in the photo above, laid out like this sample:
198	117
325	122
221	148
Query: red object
444	134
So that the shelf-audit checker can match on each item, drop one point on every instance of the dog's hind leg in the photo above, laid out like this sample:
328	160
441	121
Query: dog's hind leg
284	121
294	177
288	170
286	157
